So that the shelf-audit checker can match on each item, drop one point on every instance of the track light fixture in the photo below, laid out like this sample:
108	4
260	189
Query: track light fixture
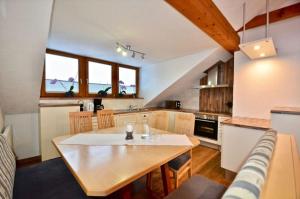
124	50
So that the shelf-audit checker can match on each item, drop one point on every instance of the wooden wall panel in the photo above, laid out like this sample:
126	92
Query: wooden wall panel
215	99
225	73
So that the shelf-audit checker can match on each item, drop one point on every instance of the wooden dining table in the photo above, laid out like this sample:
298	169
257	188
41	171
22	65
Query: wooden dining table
102	170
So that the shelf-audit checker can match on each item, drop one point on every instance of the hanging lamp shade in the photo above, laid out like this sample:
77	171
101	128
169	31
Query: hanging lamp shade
259	48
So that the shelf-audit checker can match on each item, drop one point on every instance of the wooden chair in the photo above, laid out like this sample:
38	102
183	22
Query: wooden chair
184	124
80	122
181	166
105	119
159	120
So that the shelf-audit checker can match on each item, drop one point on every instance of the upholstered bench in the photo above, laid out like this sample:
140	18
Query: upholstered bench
47	180
248	182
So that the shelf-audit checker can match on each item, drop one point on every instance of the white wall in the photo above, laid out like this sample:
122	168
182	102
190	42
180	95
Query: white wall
262	84
162	81
25	134
189	98
24	27
156	78
114	104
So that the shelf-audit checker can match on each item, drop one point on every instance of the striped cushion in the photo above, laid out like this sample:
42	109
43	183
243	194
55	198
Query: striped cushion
7	169
252	176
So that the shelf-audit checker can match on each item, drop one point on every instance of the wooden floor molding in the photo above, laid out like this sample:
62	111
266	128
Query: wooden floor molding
28	161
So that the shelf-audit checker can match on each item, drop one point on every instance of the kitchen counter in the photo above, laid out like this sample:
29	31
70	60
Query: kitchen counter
286	110
253	123
57	105
165	109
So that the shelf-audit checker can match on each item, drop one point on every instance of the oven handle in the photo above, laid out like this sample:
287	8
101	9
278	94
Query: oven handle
206	121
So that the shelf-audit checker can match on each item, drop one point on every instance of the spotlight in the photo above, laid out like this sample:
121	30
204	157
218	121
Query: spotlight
262	54
124	53
256	47
119	49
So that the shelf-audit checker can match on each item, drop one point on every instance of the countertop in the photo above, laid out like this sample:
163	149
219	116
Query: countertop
57	104
286	110
164	109
254	123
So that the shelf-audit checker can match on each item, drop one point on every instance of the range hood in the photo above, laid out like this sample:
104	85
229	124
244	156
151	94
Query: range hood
212	78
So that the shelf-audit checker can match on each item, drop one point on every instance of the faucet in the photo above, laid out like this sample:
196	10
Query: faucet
132	107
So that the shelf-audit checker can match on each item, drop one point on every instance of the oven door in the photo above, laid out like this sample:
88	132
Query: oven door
206	128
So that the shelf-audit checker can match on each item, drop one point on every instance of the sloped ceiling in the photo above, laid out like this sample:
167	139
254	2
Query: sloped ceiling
92	28
189	78
24	27
233	9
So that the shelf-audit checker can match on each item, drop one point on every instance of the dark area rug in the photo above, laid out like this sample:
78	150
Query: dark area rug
48	180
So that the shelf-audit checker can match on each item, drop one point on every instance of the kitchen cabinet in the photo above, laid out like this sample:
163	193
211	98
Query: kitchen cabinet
237	143
54	122
220	128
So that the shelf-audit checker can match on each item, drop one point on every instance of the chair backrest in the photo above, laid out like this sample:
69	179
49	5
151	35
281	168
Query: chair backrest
159	120
184	123
105	119
80	122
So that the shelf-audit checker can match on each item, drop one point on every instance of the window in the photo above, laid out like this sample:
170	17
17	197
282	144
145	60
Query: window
61	73
100	77
70	75
127	80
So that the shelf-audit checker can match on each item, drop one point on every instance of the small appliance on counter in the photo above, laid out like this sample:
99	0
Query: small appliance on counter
98	105
172	104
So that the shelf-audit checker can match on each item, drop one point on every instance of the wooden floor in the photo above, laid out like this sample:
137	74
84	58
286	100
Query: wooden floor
206	162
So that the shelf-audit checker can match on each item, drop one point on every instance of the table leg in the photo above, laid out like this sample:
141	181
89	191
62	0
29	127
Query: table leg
149	181
126	192
166	179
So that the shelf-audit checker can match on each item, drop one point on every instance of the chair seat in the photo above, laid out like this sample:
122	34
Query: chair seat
179	161
198	187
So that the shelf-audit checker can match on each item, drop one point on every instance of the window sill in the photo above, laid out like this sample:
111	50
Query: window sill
83	98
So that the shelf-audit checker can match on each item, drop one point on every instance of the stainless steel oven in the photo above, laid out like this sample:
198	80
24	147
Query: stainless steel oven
206	126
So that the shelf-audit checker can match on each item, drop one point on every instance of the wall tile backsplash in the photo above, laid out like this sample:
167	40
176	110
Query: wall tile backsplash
114	104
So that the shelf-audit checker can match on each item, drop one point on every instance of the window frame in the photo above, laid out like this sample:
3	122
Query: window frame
80	69
83	77
87	76
137	72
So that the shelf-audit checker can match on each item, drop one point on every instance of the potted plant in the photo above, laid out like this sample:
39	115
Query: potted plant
122	89
69	92
103	93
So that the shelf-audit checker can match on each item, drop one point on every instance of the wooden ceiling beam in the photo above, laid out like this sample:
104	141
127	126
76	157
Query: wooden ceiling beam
206	16
276	15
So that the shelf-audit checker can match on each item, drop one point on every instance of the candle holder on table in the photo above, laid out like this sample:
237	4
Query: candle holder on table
129	131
